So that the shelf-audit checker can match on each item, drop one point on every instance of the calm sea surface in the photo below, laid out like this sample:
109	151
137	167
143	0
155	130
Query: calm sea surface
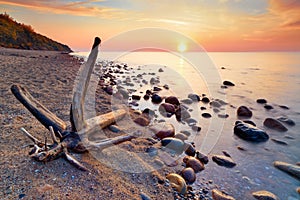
273	76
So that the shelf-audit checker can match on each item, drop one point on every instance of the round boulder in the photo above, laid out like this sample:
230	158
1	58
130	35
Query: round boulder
243	111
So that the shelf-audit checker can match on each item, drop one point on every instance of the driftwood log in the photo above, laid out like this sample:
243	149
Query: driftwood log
76	139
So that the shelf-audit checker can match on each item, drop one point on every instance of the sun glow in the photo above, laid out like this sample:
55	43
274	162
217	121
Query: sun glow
181	47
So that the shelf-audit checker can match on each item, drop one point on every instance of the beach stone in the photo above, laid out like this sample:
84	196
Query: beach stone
195	164
205	100
243	111
146	97
249	122
136	97
155	98
114	128
218	195
202	108
264	195
293	170
284	107
166	87
160	70
206	115
286	121
144	196
194	97
177	182
274	124
202	157
168	159
156	89
228	83
196	128
163	130
190	150
172	100
182	114
187	133
261	101
191	121
166	108
249	133
181	136
189	175
142	121
148	112
224	116
224	161
187	101
268	107
173	143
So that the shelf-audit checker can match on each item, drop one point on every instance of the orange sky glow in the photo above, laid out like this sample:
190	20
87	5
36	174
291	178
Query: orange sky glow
217	25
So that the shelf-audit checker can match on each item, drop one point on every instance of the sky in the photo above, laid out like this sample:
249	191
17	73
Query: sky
216	25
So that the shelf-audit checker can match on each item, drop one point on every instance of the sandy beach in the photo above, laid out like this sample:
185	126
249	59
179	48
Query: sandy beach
49	76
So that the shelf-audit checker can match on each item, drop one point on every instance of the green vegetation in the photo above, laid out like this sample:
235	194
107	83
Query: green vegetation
21	36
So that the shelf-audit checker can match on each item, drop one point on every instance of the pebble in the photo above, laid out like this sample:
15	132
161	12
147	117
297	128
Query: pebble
187	101
155	98
228	83
190	150
136	97
189	175
172	100
144	196
187	133
286	121
181	136
177	182
291	169
142	121
268	107
244	111
224	116
224	161
114	128
173	143
264	195
202	157
250	133
206	115
218	195
215	104
196	128
195	164
261	101
274	124
194	97
163	130
205	100
166	108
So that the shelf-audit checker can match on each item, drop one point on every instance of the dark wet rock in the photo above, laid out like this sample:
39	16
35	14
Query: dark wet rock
173	143
177	182
205	100
261	101
206	115
146	97
286	121
166	87
249	122
189	175
293	170
148	112
243	111
274	124
250	133
284	107
114	128
202	157
181	136
142	121
172	100
219	195
226	154
194	97
163	130
187	101
268	107
156	89
149	92
195	164
144	196
228	83
224	116
202	108
155	98
160	70
136	97
215	104
190	150
134	103
196	128
166	108
152	81
264	195
224	161
279	141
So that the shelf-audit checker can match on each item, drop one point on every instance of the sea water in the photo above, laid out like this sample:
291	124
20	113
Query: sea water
273	76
